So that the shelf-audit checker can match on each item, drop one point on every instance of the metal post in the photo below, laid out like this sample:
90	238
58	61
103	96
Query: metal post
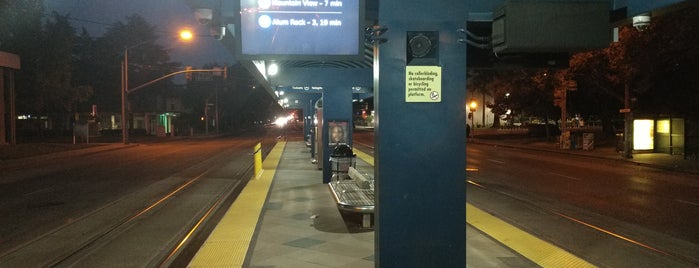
2	107
564	110
206	116
628	124
124	89
216	120
473	123
13	108
258	160
483	113
472	113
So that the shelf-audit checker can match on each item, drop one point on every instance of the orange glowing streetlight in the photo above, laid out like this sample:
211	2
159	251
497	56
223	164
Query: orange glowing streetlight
186	35
472	106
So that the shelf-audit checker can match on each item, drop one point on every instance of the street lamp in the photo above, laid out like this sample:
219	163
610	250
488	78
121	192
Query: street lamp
472	108
640	22
185	35
273	69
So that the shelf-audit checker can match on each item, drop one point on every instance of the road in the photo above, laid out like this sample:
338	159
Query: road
611	212
132	206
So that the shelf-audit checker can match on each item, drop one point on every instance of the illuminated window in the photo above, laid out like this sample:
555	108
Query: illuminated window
663	126
643	134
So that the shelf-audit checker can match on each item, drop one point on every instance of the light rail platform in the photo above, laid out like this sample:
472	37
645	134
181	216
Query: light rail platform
288	218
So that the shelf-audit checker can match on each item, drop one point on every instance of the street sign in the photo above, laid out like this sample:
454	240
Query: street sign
623	111
423	84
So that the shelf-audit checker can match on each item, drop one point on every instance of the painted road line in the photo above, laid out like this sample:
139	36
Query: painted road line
565	176
531	247
687	202
497	161
228	243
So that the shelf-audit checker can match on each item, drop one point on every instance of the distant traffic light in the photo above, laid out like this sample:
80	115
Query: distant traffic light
222	72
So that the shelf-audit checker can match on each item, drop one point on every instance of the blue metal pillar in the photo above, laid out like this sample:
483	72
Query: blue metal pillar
308	103
420	146
337	107
337	84
308	123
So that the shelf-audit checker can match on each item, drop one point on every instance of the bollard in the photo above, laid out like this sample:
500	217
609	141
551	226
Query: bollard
258	160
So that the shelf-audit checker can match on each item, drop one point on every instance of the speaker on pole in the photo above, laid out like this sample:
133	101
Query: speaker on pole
422	48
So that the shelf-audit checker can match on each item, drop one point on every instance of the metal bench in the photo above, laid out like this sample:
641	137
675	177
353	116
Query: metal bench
355	195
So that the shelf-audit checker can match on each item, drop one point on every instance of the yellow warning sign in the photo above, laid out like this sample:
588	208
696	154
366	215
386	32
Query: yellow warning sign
423	84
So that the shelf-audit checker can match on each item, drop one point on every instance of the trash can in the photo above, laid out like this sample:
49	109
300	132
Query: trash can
340	160
575	140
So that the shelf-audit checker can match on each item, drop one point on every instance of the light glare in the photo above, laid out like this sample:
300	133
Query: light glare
186	35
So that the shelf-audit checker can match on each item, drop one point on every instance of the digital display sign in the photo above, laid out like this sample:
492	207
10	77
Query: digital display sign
305	29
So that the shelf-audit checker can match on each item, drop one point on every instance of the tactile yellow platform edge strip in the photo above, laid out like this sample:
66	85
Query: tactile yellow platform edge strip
228	243
364	156
531	247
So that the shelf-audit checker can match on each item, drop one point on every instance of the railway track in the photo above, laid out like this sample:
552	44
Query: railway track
603	241
154	226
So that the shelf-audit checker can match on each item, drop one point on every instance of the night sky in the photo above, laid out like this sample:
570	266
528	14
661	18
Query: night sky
168	16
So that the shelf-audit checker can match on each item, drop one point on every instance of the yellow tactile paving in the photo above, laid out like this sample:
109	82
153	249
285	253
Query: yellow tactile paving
228	243
367	158
531	247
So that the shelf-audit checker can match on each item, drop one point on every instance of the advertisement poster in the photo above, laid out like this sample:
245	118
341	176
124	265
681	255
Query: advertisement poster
338	131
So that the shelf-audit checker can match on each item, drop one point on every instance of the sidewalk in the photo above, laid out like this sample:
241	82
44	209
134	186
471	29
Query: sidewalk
654	160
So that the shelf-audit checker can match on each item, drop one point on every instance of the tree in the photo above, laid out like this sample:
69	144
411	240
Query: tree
498	87
236	96
521	92
477	81
85	66
148	60
541	84
600	91
669	59
20	25
55	93
46	50
20	33
659	65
